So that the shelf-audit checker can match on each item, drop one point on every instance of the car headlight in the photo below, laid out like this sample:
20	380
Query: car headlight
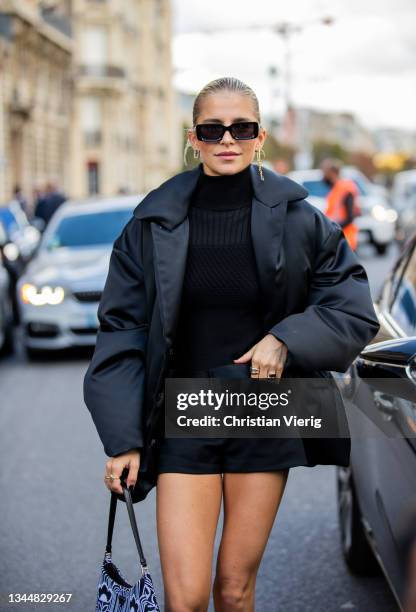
391	215
381	213
39	296
11	251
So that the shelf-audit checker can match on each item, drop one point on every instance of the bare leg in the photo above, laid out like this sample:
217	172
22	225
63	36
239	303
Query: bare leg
187	512
251	501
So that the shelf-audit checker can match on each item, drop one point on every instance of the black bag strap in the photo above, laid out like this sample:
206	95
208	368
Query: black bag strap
133	523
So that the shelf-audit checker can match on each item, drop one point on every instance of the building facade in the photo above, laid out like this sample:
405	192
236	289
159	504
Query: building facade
35	94
302	126
86	96
125	133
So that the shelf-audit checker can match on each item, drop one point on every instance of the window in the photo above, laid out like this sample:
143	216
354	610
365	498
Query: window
88	229
94	46
319	189
403	309
93	178
91	114
9	220
389	287
91	120
361	187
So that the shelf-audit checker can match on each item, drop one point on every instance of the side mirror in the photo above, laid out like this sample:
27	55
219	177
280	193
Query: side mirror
400	351
387	371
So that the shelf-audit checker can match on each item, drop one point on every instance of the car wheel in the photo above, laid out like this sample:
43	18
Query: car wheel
356	549
8	342
34	354
7	346
381	249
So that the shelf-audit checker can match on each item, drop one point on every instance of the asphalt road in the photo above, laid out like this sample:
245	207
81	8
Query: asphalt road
54	506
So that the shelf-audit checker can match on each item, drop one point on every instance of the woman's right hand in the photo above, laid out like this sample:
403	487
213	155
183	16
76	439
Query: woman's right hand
115	466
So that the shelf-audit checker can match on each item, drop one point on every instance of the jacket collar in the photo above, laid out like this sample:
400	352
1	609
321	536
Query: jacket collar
168	204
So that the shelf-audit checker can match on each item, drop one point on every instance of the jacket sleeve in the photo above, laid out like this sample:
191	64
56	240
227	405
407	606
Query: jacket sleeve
114	382
339	319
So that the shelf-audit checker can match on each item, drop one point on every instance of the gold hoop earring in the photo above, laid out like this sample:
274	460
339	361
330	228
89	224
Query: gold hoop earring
259	152
187	147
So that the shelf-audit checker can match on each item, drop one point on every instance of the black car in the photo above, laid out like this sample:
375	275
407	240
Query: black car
14	262
6	303
377	490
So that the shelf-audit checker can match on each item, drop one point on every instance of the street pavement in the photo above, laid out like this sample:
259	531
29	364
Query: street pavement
54	504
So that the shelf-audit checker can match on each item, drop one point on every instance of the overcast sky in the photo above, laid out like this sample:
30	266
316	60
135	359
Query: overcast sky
365	62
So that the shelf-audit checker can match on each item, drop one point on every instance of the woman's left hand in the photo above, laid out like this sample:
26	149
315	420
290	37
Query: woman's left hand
268	355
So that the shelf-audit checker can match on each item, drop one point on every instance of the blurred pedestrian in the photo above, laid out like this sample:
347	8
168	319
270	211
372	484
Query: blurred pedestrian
50	202
281	166
19	197
342	205
38	193
124	190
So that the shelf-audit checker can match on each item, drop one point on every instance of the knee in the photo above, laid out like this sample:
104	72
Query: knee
233	593
186	601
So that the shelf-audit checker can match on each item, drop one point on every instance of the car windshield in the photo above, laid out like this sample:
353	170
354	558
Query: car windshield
88	229
409	190
319	189
8	219
362	190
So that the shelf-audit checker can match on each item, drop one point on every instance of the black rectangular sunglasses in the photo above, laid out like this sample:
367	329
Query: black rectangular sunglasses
213	132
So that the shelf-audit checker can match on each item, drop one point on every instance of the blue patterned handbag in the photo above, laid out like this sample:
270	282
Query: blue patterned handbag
115	594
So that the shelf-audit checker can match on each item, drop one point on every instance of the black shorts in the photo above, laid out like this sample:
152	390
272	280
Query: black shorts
219	455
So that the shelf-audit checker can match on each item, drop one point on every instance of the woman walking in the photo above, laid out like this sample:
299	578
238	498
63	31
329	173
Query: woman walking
223	265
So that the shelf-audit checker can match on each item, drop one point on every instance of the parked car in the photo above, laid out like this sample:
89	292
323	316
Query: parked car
379	486
19	245
6	307
403	188
377	221
60	290
14	263
365	185
19	230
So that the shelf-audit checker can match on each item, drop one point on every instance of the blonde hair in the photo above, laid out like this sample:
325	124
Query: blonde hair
230	84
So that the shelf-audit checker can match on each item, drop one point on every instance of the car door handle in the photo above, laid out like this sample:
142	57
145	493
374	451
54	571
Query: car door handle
385	404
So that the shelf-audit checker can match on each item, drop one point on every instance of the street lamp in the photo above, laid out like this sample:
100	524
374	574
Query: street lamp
273	74
285	30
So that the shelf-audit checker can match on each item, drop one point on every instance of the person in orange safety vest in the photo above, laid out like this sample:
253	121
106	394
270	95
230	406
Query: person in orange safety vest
342	205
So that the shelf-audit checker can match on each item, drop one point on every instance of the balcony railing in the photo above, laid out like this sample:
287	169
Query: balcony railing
102	71
21	104
92	138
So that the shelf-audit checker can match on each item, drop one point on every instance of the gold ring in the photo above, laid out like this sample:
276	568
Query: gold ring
111	477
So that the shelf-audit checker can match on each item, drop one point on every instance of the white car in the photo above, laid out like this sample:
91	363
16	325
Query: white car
404	188
59	292
377	221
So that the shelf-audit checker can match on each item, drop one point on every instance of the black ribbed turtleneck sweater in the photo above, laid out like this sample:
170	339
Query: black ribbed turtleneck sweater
220	316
